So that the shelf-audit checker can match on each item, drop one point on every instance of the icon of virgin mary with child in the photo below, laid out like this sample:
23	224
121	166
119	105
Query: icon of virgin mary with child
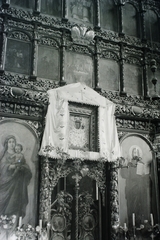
15	177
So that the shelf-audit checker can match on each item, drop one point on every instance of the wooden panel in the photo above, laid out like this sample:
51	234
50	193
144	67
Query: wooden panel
52	7
109	74
18	56
48	63
109	19
79	68
152	26
24	3
129	20
133	79
81	10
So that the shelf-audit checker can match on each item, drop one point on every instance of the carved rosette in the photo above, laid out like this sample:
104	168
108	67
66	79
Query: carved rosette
114	202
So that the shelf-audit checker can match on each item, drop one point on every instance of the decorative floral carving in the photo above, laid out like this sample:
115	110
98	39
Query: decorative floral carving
15	24
19	35
114	198
80	34
49	41
133	60
80	49
109	55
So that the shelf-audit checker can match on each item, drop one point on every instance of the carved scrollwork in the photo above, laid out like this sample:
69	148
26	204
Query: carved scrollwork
49	42
24	81
103	45
133	60
45	191
53	170
21	25
114	199
80	49
88	215
20	36
109	55
133	124
49	31
61	215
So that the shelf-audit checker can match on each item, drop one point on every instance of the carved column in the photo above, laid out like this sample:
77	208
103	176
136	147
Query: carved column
65	10
35	54
62	60
37	6
45	192
120	11
77	178
145	74
122	88
114	202
143	30
97	24
96	65
4	45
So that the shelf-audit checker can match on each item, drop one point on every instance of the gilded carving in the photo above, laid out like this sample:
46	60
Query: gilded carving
49	41
110	55
114	198
20	35
133	60
80	49
82	34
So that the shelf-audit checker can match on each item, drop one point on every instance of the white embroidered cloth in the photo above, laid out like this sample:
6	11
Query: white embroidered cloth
56	132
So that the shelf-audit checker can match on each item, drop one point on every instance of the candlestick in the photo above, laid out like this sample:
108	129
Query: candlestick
48	230
40	223
133	219
152	222
20	221
96	191
125	226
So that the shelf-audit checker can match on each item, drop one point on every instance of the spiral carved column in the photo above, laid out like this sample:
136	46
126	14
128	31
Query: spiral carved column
45	193
114	201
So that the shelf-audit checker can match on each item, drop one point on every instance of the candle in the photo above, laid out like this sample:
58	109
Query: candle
40	224
152	222
20	221
125	225
96	191
48	230
133	219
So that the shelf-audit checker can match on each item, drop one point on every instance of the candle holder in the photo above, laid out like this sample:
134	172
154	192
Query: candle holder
146	231
121	231
134	232
125	230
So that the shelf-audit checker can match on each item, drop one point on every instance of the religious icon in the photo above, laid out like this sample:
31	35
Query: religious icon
136	180
17	174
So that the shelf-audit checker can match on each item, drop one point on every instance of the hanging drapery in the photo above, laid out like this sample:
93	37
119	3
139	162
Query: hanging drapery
56	132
